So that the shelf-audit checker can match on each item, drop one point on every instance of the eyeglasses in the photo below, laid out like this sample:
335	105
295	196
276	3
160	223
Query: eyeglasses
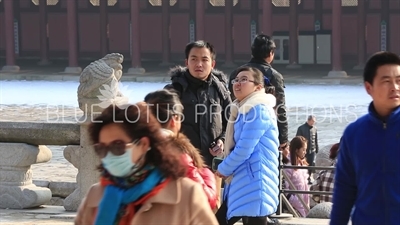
179	116
241	81
117	147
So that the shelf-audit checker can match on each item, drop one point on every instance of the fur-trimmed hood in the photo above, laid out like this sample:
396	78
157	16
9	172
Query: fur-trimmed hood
179	71
218	78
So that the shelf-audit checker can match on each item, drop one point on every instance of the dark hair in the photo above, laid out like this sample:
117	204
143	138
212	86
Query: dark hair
377	60
333	152
262	47
258	78
164	104
295	144
200	44
285	158
137	123
310	117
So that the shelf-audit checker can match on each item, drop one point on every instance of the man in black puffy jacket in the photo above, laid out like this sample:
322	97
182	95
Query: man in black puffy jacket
205	98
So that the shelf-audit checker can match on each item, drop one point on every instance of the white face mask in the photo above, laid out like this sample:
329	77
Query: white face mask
119	165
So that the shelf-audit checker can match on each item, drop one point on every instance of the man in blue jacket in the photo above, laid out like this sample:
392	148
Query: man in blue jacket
368	170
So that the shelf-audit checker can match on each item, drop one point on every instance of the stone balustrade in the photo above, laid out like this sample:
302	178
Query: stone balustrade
22	145
40	133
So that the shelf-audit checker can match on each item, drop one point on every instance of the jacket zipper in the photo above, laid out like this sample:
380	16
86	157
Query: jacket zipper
384	171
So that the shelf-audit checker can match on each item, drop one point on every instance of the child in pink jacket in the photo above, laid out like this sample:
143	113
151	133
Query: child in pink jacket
298	177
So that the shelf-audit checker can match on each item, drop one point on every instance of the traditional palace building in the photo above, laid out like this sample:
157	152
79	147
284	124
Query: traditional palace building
306	31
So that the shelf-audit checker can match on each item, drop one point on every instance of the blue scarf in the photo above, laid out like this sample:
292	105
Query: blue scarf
115	197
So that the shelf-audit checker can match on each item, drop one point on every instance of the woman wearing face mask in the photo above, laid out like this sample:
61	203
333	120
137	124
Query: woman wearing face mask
167	108
142	176
251	153
298	177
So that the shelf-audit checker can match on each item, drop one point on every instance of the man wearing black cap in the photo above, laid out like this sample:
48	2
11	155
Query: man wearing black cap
262	51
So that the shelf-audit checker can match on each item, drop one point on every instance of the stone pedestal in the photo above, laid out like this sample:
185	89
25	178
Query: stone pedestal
73	70
321	211
10	69
293	66
337	74
136	71
44	62
85	160
166	64
359	67
16	188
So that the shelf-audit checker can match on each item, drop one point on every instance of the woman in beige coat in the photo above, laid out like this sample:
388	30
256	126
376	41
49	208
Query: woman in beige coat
142	177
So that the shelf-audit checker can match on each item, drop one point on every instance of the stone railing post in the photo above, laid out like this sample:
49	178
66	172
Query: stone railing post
85	160
97	90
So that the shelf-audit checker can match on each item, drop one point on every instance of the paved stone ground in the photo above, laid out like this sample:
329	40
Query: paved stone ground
56	215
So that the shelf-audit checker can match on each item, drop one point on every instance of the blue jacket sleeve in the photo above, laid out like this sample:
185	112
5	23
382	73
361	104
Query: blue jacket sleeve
345	188
256	124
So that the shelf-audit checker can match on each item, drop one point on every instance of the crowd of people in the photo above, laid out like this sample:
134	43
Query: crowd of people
169	157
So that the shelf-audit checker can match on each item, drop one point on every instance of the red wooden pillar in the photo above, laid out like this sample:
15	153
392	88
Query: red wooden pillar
165	33
200	19
336	41
9	36
228	34
44	48
267	18
136	67
103	27
72	16
361	24
293	36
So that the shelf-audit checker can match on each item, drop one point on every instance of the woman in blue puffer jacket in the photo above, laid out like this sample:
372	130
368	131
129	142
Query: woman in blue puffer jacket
250	164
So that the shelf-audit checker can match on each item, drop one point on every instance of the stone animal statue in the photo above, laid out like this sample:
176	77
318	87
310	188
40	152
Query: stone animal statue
99	83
